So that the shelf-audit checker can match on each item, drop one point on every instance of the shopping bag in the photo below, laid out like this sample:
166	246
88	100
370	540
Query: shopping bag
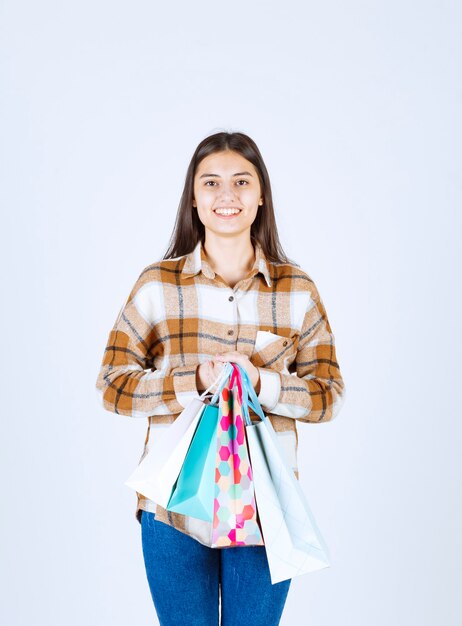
194	489
156	474
235	521
293	542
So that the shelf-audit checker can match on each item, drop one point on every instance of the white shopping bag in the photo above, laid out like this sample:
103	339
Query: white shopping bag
156	474
294	544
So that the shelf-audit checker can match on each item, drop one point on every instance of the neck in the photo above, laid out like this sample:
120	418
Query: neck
236	254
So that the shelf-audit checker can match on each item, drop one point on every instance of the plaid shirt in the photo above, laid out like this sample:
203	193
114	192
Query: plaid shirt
180	314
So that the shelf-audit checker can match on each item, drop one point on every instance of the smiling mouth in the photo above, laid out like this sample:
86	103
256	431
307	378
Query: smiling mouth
231	213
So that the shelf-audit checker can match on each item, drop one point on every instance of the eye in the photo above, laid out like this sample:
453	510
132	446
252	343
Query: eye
243	181
210	181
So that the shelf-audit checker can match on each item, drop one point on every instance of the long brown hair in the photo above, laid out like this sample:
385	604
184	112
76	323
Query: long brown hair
188	228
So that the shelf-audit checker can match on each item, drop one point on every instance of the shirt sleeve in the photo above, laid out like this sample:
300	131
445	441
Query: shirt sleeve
127	382
315	392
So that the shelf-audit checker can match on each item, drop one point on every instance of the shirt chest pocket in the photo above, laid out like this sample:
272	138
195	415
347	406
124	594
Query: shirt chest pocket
274	351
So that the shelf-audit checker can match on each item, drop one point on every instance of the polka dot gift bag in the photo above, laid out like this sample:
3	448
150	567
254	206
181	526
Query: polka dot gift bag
235	519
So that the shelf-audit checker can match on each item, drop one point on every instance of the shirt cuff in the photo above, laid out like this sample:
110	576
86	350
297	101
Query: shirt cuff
184	384
270	388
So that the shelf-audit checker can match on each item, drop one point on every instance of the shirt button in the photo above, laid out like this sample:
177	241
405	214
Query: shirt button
284	343
230	332
231	298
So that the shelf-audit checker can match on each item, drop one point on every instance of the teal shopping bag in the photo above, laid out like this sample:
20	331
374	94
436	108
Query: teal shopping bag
193	492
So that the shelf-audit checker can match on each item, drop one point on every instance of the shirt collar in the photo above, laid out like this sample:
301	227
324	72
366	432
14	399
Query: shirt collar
196	261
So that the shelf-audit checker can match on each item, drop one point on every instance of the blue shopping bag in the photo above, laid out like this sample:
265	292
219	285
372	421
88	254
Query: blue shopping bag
194	490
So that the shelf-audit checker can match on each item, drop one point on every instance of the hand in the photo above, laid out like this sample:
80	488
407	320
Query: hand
243	360
207	373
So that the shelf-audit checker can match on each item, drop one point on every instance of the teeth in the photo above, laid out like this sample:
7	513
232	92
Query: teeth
227	211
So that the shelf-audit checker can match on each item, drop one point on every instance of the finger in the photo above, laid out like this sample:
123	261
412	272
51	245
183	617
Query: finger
209	373
216	366
218	370
215	372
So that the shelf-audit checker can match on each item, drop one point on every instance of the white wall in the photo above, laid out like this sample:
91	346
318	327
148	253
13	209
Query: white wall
356	109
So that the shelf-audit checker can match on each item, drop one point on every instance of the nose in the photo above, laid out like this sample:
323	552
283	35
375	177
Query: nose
227	192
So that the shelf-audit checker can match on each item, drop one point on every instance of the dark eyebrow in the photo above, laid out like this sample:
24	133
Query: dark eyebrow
217	176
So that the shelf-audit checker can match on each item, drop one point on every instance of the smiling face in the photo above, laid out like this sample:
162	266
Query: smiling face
227	193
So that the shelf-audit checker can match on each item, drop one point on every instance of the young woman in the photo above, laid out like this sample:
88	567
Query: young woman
224	291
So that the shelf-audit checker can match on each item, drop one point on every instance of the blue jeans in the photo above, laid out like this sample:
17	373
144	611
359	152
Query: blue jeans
184	578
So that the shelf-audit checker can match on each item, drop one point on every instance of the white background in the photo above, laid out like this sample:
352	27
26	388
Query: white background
355	107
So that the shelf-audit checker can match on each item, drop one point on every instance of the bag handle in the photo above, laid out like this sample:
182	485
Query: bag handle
236	377
220	381
249	397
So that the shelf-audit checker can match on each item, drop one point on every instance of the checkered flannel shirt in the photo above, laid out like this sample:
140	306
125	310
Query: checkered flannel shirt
180	314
